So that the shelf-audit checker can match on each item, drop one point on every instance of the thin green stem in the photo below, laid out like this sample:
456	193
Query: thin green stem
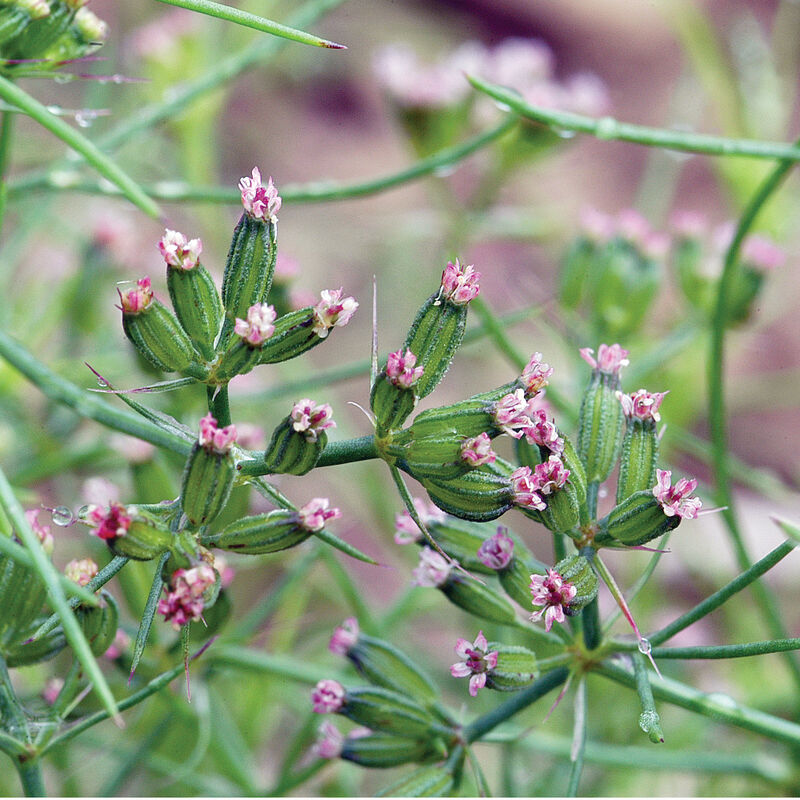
649	720
719	597
578	739
729	650
718	706
252	21
609	129
6	136
218	404
30	775
521	700
592	632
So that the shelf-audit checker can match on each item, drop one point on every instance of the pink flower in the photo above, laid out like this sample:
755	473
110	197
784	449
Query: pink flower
214	439
400	369
120	644
178	251
330	741
536	375
327	697
631	225
333	310
478	450
314	514
225	571
610	358
476	662
183	602
259	201
543	432
433	570
42	531
459	284
550	476
642	404
511	414
554	594
344	637
526	489
675	499
258	327
111	523
52	689
762	253
81	570
596	225
406	530
497	551
689	224
137	299
311	419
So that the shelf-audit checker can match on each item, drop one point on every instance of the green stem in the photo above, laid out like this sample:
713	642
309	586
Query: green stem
218	404
592	632
591	499
520	701
650	722
717	706
578	740
30	775
609	129
729	650
720	596
6	136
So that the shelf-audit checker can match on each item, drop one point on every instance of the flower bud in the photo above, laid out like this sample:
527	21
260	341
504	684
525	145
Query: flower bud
258	534
209	473
601	419
186	593
430	781
392	397
294	335
386	711
639	455
128	531
157	334
243	350
381	750
477	495
636	520
298	441
192	290
566	589
99	623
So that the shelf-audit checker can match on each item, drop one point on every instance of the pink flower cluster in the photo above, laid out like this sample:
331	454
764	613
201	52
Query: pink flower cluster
611	358
497	551
138	298
554	594
333	310
178	251
676	500
311	419
478	450
314	514
406	530
344	637
183	602
401	369
111	523
529	486
215	439
81	570
258	327
259	201
432	571
42	531
629	225
475	663
459	283
515	415
328	696
330	741
543	432
536	375
642	404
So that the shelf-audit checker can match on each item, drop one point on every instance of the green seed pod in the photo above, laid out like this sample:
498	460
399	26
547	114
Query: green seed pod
142	541
577	570
24	652
516	667
262	533
157	334
384	665
207	482
197	305
478	599
430	781
391	404
636	520
467	419
249	268
291	452
380	750
516	578
99	623
294	335
386	711
461	541
239	358
479	495
15	17
22	595
639	455
41	33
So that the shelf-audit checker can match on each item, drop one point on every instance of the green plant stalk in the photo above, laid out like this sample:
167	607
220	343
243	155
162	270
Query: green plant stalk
6	137
709	705
719	597
218	404
252	21
30	776
592	632
729	650
348	587
285	667
521	700
645	693
578	749
93	156
609	129
148	614
50	576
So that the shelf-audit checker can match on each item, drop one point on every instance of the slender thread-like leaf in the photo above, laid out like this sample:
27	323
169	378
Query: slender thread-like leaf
148	614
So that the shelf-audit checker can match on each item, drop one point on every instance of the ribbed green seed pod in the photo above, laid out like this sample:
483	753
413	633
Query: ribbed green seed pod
386	711
14	18
41	33
601	425
461	541
384	665
478	495
249	269
22	595
636	520
638	458
143	541
516	668
294	335
258	534
391	404
23	653
290	452
478	599
434	337
197	305
577	570
158	336
431	781
467	418
516	578
207	483
380	750
99	623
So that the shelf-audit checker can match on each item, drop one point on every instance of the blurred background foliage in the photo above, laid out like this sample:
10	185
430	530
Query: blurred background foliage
307	114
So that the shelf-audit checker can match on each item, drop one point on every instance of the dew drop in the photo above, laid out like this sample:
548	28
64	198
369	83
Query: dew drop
117	78
607	128
83	512
83	119
102	382
644	646
647	719
55	110
62	516
445	171
502	106
562	133
62	77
